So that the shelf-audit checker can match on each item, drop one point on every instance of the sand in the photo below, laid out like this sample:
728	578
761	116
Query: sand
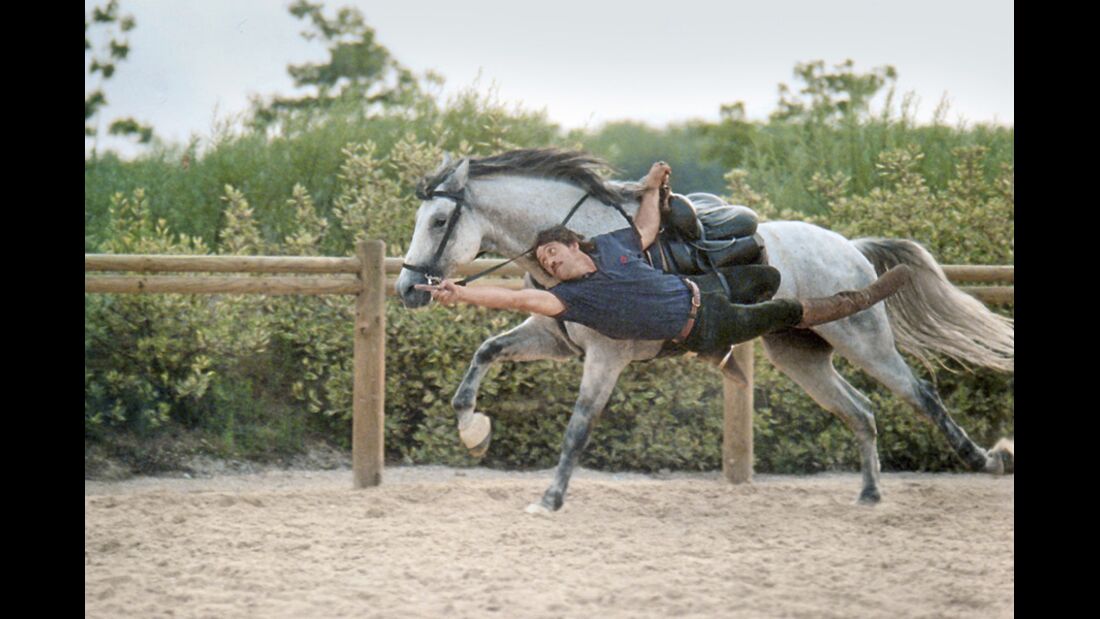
443	542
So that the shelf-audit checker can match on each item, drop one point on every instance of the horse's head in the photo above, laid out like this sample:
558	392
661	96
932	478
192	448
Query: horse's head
447	233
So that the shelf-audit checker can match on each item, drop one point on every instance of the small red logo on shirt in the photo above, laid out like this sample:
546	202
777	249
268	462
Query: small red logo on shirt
622	259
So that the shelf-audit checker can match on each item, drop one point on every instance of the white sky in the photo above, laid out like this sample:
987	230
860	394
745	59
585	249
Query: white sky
584	61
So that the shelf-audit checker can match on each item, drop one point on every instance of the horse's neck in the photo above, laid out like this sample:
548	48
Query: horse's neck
515	209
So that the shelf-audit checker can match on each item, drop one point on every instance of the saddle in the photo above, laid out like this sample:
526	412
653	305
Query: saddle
701	234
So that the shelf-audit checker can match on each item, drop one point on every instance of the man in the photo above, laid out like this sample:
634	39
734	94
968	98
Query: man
606	284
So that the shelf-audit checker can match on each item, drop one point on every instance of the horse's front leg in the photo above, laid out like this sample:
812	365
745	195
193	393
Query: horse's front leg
602	366
536	338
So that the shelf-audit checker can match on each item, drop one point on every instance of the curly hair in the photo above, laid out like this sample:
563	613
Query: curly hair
565	236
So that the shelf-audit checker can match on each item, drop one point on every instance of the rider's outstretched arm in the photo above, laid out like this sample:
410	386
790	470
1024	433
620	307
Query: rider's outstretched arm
526	300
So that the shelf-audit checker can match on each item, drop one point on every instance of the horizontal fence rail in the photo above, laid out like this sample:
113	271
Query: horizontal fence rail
957	274
223	285
960	273
156	263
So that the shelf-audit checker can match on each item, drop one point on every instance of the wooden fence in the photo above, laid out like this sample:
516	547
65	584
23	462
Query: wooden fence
365	275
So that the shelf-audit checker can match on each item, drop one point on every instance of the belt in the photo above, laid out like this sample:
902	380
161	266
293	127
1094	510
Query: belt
695	302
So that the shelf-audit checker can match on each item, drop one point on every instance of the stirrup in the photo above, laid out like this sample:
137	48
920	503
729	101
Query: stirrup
731	370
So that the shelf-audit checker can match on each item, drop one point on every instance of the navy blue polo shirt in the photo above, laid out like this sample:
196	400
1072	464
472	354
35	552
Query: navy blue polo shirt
625	298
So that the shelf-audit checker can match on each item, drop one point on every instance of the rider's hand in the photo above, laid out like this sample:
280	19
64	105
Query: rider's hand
659	174
444	293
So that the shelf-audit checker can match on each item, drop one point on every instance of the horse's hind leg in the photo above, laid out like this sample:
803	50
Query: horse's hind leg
922	396
535	338
807	359
872	349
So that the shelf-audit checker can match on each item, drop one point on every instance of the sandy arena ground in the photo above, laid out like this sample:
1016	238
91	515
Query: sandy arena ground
442	542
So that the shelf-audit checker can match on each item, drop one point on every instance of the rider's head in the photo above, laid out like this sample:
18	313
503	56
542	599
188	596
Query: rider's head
562	252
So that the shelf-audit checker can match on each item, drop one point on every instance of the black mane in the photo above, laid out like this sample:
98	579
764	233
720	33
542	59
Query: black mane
581	169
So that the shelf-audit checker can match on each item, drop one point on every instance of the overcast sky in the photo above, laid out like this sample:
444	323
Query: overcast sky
585	62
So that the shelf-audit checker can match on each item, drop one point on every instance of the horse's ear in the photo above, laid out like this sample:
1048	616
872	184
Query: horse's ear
446	162
457	180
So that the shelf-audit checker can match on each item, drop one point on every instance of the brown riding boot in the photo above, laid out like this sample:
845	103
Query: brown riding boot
842	304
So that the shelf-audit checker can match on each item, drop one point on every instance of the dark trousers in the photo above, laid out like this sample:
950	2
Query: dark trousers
721	324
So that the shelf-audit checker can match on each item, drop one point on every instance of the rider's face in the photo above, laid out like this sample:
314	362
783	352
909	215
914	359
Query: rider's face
564	262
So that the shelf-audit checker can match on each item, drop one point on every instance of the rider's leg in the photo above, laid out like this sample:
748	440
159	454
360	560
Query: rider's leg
749	284
722	324
827	309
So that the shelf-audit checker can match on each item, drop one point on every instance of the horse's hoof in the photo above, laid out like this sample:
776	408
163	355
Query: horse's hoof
994	465
1002	458
538	509
479	450
475	430
869	496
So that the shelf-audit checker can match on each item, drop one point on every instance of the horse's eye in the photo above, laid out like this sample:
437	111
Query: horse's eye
439	223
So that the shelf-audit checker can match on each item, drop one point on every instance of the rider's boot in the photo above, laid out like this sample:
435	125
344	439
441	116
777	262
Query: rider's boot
842	304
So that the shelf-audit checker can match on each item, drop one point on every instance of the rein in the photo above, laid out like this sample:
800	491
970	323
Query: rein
435	274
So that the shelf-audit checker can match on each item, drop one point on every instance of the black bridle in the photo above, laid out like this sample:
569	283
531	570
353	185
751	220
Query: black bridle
432	271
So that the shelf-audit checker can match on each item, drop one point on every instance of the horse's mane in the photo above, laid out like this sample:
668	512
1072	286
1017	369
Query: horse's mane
581	169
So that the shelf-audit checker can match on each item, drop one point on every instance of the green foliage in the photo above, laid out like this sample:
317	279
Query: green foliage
129	126
359	76
823	126
972	221
312	228
633	147
108	22
370	195
840	96
149	360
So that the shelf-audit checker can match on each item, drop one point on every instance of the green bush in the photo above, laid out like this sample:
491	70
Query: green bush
151	360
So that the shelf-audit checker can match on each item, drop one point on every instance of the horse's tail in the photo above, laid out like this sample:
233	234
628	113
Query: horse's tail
933	316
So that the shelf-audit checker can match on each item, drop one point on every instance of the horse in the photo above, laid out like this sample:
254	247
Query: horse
508	198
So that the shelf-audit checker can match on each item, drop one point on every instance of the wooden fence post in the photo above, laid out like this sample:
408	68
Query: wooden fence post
737	426
369	391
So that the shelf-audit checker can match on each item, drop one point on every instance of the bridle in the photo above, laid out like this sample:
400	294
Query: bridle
432	271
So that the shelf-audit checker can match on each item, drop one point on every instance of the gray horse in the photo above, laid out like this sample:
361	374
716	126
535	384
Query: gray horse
500	203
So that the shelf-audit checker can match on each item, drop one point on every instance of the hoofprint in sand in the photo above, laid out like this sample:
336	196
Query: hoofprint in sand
437	541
